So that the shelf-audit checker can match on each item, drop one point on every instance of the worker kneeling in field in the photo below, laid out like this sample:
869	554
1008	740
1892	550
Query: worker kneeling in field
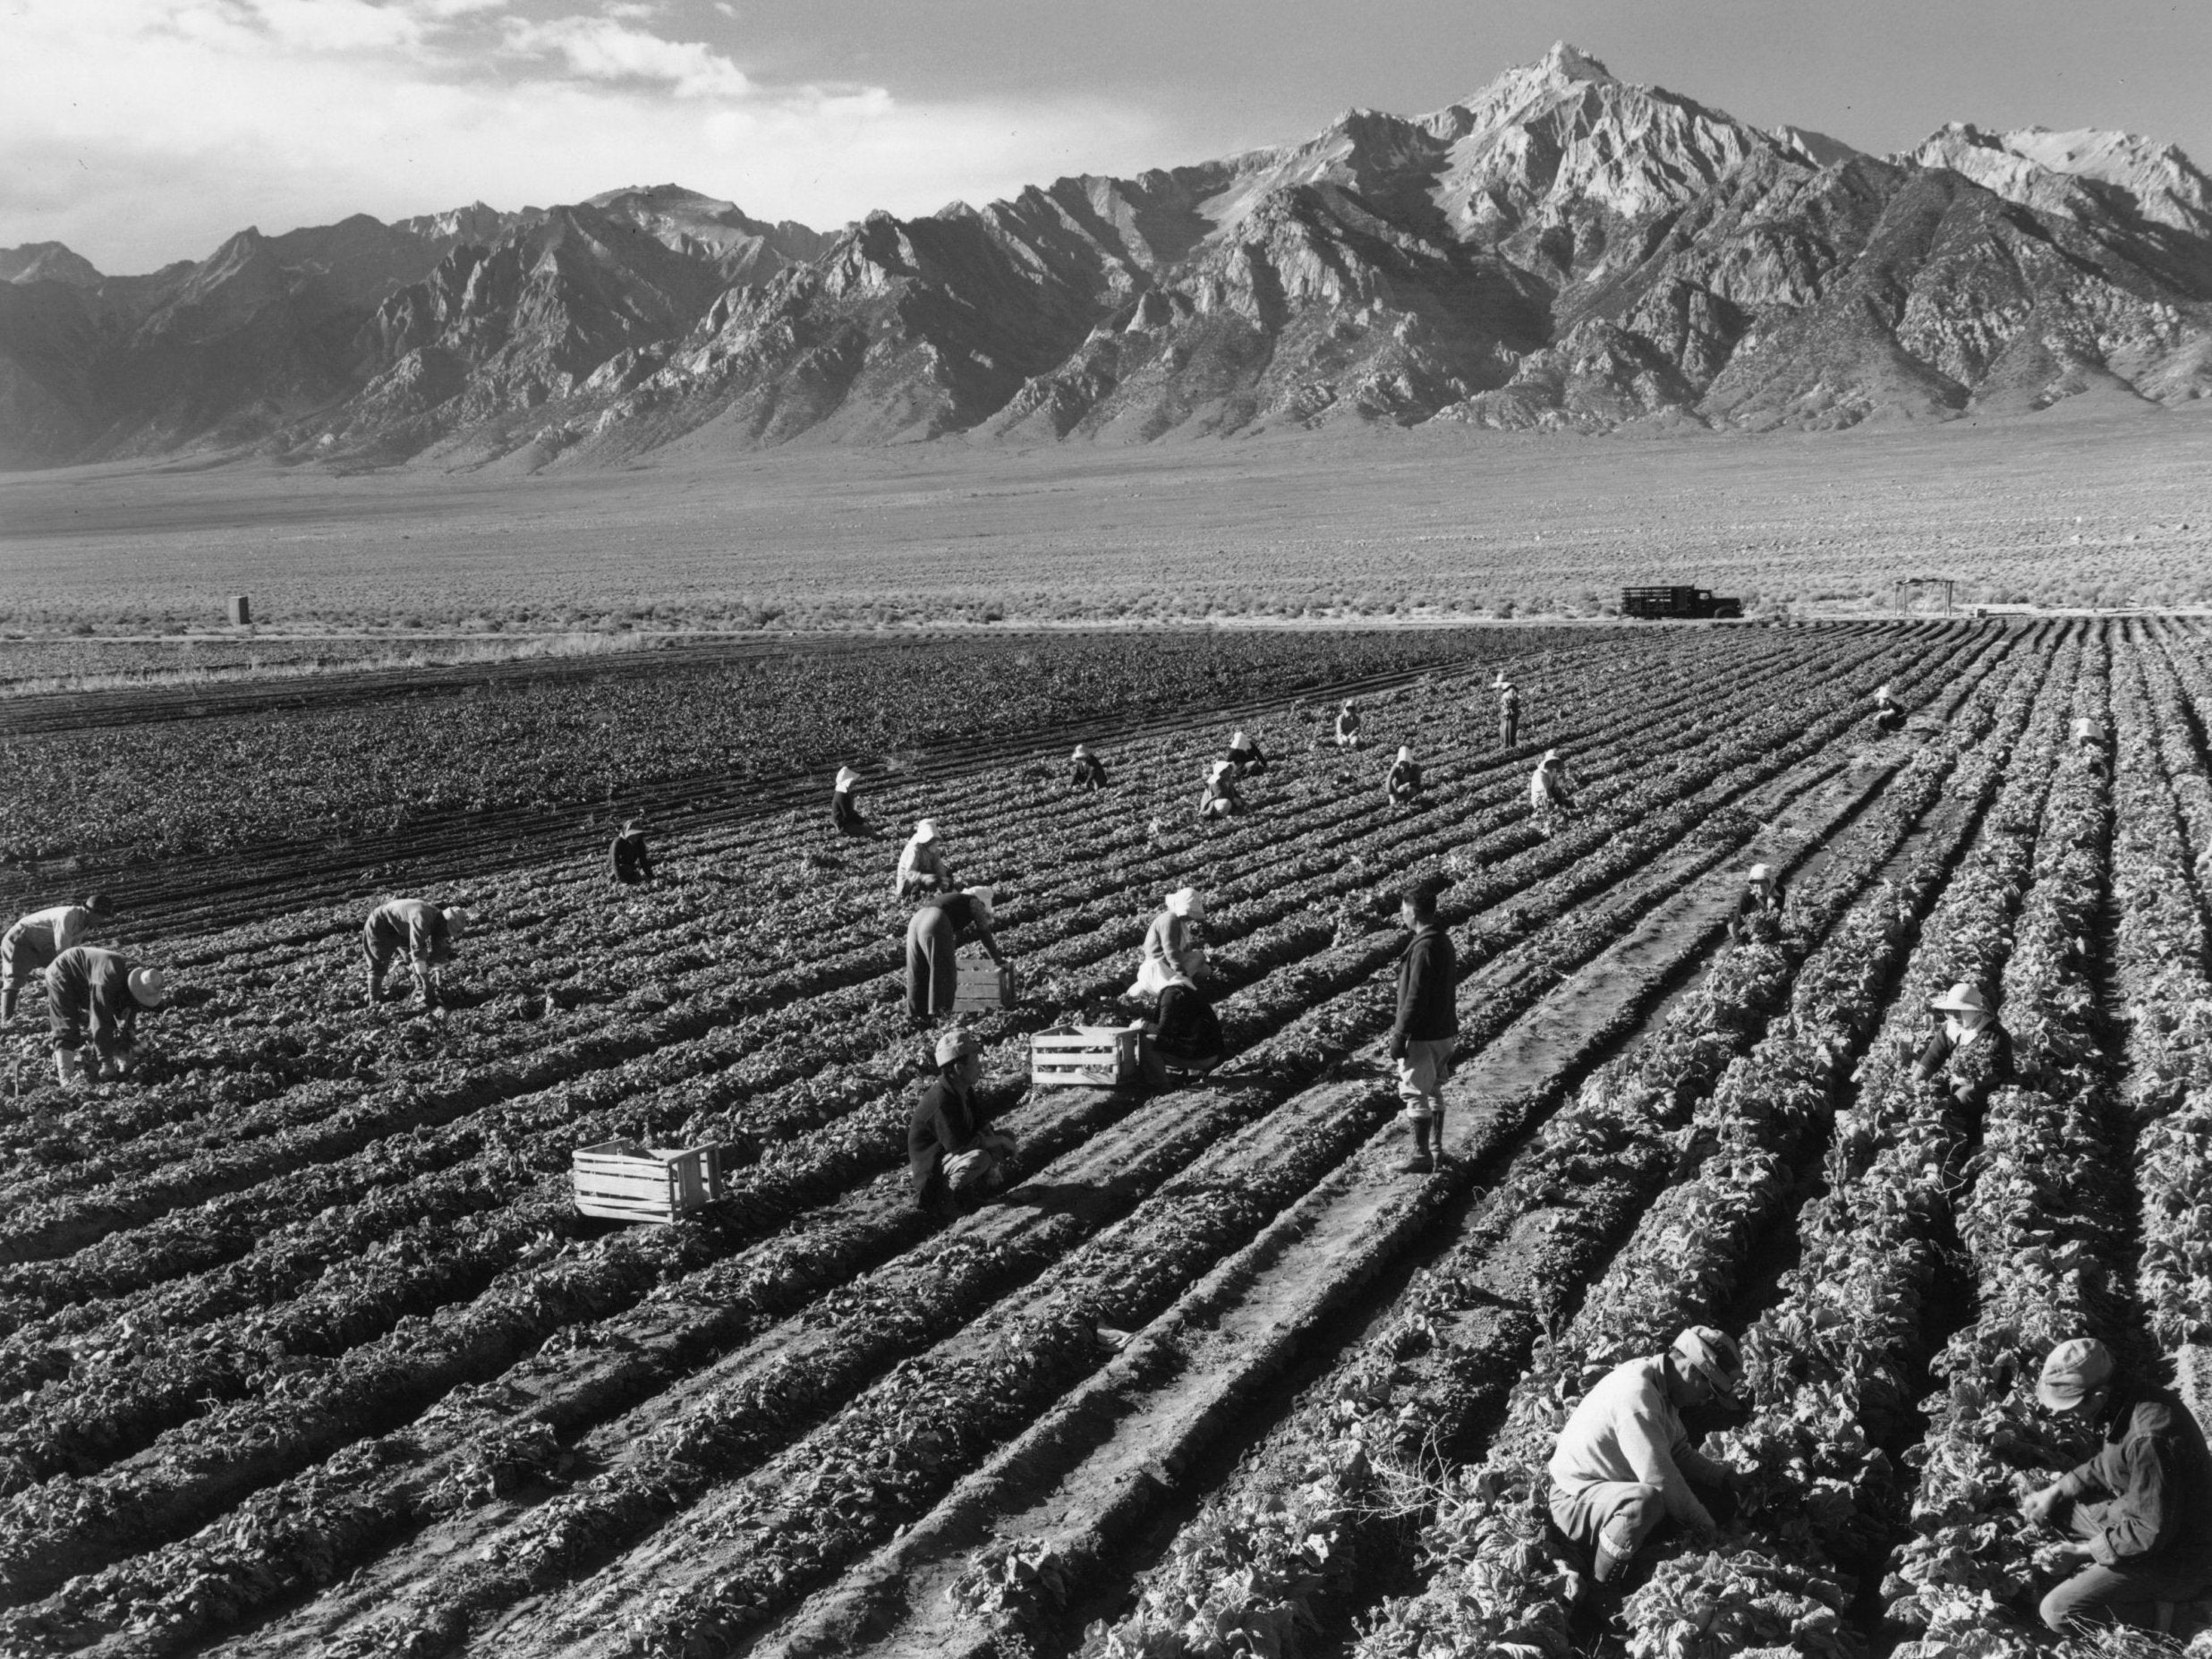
633	859
950	1156
1887	715
426	932
844	809
1427	1027
1244	755
1086	771
29	948
93	999
1171	944
1550	795
2139	1513
1221	798
932	947
1758	912
1624	1465
1402	783
1971	1052
922	867
1184	1034
1348	726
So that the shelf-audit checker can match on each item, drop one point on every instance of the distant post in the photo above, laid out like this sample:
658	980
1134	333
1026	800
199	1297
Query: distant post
241	610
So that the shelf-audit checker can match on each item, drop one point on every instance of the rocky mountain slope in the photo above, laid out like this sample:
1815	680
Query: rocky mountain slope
1564	250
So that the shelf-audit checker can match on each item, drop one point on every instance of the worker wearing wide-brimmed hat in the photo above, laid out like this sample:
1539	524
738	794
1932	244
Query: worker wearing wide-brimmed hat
933	938
1171	944
1086	771
1401	785
1888	715
1549	792
1509	710
1244	753
1762	897
631	859
950	1155
1971	1050
29	948
1623	1464
845	805
923	866
2138	1512
93	1000
426	932
1221	797
1348	726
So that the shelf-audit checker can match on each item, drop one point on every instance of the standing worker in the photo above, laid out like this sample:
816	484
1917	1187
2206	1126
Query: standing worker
1427	1027
425	932
1402	784
93	999
2138	1512
932	944
1509	711
1171	944
950	1155
1623	1464
1971	1050
1221	799
1244	755
29	948
844	810
1762	897
1348	726
633	860
1089	773
1887	715
923	868
1549	794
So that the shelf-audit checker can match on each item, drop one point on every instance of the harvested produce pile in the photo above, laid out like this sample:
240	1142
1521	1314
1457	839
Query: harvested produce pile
304	1348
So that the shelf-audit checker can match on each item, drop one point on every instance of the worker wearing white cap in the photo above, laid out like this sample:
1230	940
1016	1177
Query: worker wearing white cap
1401	785
844	806
1762	897
1348	726
1244	755
950	1155
922	867
425	932
1086	771
1549	794
1509	711
631	859
2138	1513
1887	715
933	938
1171	944
1624	1465
93	999
29	948
1221	798
1972	1050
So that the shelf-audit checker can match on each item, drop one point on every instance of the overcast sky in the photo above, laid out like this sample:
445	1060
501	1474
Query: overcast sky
143	130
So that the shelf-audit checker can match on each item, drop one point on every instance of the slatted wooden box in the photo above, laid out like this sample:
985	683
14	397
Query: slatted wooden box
629	1181
1085	1056
979	984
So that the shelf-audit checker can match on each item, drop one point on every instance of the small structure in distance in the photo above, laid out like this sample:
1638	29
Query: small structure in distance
241	610
1678	602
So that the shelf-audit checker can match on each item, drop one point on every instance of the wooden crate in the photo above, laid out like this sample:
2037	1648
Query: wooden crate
629	1181
979	984
1087	1056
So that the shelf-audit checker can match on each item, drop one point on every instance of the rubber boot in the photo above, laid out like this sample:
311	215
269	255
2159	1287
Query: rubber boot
68	1067
8	993
1421	1163
376	987
1436	1129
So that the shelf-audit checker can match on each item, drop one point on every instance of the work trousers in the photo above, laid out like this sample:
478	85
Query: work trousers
23	958
932	971
1509	729
2100	1594
1422	1071
1616	1515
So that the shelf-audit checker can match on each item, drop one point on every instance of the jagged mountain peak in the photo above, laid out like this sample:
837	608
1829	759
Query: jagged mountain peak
2076	173
47	262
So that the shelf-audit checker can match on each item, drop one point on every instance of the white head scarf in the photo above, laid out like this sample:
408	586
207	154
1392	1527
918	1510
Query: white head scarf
924	829
1185	901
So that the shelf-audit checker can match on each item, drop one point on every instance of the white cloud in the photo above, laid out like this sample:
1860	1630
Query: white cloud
143	130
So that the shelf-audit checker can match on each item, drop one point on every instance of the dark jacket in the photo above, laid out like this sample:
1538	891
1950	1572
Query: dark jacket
1508	704
943	1121
1427	990
1089	773
1186	1028
632	861
1405	777
2147	1494
413	927
1974	1070
844	813
1756	901
89	997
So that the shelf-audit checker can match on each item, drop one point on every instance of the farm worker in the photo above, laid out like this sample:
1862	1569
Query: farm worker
1088	773
844	812
1762	897
1403	782
2088	733
950	1155
923	868
1221	799
1887	715
1185	1032
1348	726
1171	944
1549	791
93	999
1427	1026
29	948
1972	1051
933	939
1623	1463
427	933
634	861
1509	712
2140	1511
1244	755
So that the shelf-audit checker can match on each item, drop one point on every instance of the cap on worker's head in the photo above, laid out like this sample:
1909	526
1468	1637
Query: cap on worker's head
924	829
99	903
1550	756
1079	754
148	990
954	1045
983	897
2075	1370
633	824
1712	1355
457	921
1239	741
1759	873
1185	901
1963	998
847	777
1405	751
1347	702
1217	769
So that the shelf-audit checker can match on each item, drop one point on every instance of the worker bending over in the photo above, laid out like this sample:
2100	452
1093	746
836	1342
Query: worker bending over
1171	944
2138	1513
1550	795
1348	726
1427	1027
93	999
1402	784
29	948
1971	1052
845	808
1088	772
1887	715
1762	897
1509	711
1221	798
633	859
1244	755
922	867
1184	1034
1624	1466
426	932
932	950
950	1155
